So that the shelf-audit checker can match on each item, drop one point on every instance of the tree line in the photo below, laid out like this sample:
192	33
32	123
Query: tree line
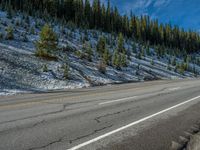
103	17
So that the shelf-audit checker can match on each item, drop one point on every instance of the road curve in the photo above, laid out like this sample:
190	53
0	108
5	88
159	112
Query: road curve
138	116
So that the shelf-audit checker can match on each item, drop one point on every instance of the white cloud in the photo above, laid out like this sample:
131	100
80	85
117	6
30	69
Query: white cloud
159	3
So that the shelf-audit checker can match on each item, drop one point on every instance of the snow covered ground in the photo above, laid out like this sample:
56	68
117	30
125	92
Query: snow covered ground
21	71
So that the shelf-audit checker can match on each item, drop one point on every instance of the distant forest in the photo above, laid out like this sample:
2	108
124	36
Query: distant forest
98	16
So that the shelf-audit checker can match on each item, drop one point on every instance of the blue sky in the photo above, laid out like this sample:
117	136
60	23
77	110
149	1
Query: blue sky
185	13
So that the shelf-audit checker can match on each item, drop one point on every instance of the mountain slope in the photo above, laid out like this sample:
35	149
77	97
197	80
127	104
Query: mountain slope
21	70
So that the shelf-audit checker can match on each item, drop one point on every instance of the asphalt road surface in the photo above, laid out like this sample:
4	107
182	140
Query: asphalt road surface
135	116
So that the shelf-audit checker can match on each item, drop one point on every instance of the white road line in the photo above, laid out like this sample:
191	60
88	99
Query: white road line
118	100
174	89
131	124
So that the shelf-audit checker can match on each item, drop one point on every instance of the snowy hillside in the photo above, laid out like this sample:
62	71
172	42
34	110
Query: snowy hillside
22	71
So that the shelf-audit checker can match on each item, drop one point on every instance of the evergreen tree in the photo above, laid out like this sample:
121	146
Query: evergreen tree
101	45
142	52
123	60
120	47
168	67
108	17
9	33
89	52
134	48
152	62
32	30
66	71
87	12
182	68
47	43
106	57
9	12
173	62
116	60
45	68
102	67
188	61
148	49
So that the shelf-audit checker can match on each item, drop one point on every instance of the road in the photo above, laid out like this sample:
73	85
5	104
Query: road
135	116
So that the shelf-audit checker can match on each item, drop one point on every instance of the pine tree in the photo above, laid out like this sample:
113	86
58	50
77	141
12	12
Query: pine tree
102	67
123	60
32	30
66	71
139	55
89	52
9	33
148	49
134	48
158	51
47	43
168	67
188	61
87	12
9	12
101	45
116	60
45	68
173	62
182	68
152	62
106	57
142	52
194	70
108	17
120	47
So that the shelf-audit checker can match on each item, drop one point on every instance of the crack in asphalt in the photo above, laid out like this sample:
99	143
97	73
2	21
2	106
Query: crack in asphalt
71	103
98	119
70	141
22	128
31	117
36	124
55	112
44	146
92	133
